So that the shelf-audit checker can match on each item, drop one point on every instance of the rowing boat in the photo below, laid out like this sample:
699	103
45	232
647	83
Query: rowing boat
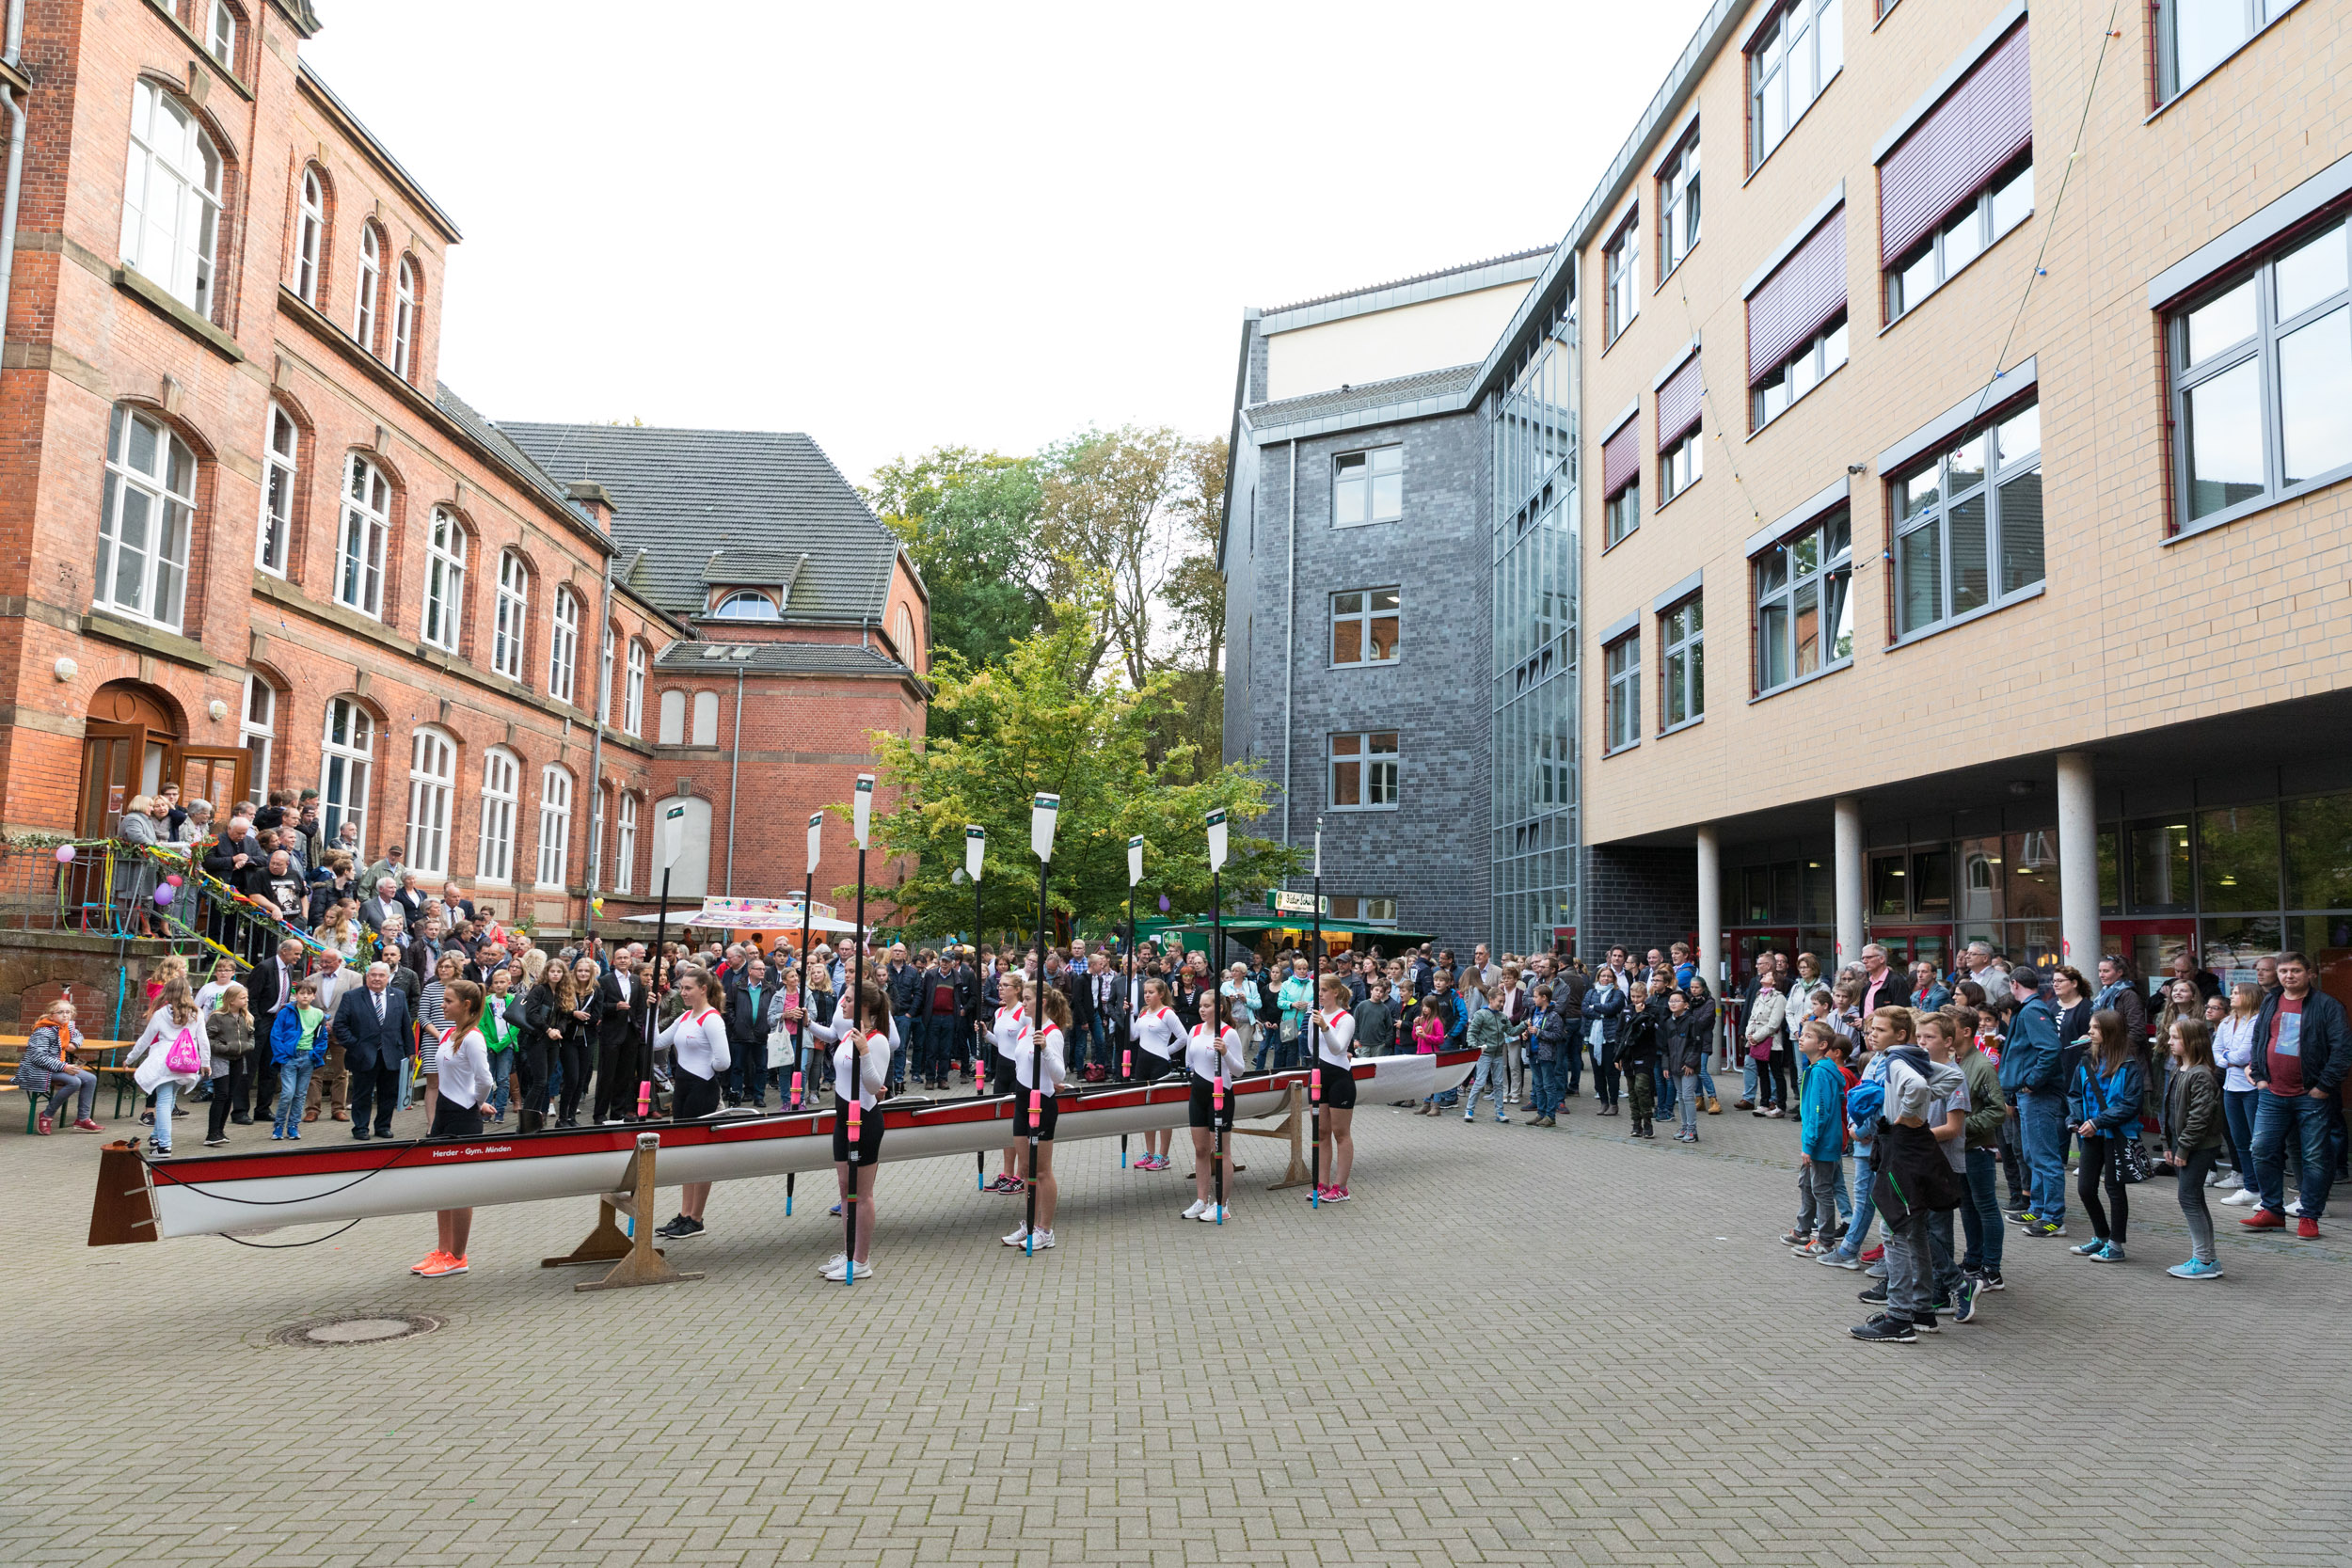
141	1198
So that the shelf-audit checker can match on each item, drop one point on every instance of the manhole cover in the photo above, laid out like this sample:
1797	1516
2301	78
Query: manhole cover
358	1329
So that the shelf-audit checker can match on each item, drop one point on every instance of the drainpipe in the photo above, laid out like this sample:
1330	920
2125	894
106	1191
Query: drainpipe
15	56
735	771
595	750
1289	642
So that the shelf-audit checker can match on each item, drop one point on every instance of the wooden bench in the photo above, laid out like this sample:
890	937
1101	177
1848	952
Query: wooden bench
12	1055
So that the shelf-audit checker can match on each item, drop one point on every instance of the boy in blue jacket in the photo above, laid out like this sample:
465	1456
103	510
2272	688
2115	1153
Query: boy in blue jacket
1821	1118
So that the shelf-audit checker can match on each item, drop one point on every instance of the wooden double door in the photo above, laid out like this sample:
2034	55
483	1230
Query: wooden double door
132	746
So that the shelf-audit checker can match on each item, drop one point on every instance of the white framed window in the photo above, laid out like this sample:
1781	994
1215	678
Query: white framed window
257	730
359	550
2003	204
2194	35
1364	772
171	198
604	677
404	316
1364	626
370	285
2262	382
1678	205
514	608
1621	663
633	695
1680	465
673	731
706	718
746	605
1804	369
431	782
625	844
444	580
1790	62
309	237
1621	513
346	754
555	825
1621	272
501	777
903	633
563	645
597	814
1805	604
1968	525
274	539
1368	488
1682	664
220	39
148	514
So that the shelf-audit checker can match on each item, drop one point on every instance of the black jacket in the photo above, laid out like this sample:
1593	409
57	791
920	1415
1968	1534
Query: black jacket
904	987
616	1023
370	1045
541	1014
747	1017
2325	1044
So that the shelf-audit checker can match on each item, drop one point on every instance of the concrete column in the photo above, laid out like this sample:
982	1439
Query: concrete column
2078	860
1710	908
1849	867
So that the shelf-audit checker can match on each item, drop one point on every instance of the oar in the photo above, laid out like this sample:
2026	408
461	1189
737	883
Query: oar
849	1205
1127	1074
1216	1122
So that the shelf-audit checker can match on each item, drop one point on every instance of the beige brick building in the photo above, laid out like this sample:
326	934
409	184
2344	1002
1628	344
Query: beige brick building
1959	513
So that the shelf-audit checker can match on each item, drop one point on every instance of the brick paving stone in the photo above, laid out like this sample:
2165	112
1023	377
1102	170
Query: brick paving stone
1517	1346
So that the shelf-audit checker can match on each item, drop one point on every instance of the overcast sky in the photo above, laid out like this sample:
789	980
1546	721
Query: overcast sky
901	227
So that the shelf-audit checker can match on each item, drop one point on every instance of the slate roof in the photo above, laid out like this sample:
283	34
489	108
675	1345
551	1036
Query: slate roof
1449	382
757	566
1409	282
681	494
492	437
794	659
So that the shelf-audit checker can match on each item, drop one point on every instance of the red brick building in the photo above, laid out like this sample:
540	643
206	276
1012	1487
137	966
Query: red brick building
249	541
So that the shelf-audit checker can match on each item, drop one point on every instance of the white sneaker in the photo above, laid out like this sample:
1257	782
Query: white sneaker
2215	1178
2243	1197
830	1267
2295	1210
839	1271
1194	1212
1020	1234
1045	1240
1210	1213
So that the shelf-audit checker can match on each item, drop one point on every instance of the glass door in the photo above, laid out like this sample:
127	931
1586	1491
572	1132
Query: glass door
2151	945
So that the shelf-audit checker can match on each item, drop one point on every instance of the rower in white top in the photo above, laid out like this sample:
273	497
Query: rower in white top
1039	1070
697	1040
1213	1059
1010	1030
1335	1052
1159	1037
465	1069
861	1066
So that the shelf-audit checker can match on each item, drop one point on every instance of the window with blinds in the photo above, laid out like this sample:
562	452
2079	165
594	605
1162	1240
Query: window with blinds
1797	322
1679	404
1960	179
1620	482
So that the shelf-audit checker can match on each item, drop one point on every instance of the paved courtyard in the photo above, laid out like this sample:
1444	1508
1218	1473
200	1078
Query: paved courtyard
1516	1346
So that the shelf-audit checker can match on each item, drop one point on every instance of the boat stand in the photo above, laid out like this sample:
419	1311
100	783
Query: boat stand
635	1261
1293	1128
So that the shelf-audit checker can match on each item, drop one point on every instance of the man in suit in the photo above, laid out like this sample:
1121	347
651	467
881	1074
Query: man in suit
268	987
332	1082
747	1033
372	1024
626	1000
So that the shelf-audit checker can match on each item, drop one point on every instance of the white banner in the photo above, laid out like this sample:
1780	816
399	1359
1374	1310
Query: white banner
1042	813
974	847
1134	860
861	808
1216	839
673	832
816	838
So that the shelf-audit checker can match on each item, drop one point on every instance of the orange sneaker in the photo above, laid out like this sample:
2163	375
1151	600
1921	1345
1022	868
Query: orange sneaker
442	1264
431	1258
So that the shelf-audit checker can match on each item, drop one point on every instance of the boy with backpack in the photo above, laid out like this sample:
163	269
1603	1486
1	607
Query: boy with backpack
1914	1178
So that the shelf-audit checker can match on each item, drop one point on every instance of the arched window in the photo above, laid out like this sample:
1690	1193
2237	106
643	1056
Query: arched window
275	538
171	198
502	774
555	825
625	844
706	718
404	316
150	511
257	729
903	633
604	679
370	285
309	237
367	521
563	645
432	780
673	718
506	633
747	606
444	580
633	698
220	39
349	745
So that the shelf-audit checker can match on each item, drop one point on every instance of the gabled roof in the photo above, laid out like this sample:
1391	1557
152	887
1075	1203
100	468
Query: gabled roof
1407	282
679	495
513	456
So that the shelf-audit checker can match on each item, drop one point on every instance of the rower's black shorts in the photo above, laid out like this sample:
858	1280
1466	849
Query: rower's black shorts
1339	1086
691	1097
1205	1113
868	1139
1001	1077
1047	1117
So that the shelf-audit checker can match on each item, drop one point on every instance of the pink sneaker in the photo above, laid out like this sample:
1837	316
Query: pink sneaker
1335	1194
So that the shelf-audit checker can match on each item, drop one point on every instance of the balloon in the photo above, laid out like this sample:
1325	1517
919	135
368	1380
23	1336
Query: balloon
65	854
162	896
1162	903
173	878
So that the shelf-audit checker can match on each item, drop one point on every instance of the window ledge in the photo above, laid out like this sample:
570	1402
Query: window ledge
1793	125
1660	509
1793	402
2025	218
2021	596
2262	503
111	628
2214	70
161	300
1831	669
1884	14
1622	538
1661	286
1368	664
1690	724
1628	746
1356	810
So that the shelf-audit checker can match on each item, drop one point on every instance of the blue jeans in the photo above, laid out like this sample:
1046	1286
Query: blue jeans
1488	1080
167	1094
1546	1089
294	1089
1707	1080
2042	1133
1980	1216
1747	1077
897	1066
2313	1121
1866	1203
2238	1119
502	1066
1666	1082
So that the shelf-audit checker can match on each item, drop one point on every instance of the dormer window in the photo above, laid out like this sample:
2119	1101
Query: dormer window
746	605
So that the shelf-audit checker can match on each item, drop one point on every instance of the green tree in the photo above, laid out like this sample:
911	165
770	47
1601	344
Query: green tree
1037	722
970	522
1110	534
1193	598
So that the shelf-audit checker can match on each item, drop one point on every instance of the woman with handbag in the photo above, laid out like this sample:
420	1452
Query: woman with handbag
2109	1086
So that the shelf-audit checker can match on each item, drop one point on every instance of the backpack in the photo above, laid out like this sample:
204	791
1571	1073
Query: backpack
1864	1104
185	1056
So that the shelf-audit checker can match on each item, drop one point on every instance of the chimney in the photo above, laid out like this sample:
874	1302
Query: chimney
594	500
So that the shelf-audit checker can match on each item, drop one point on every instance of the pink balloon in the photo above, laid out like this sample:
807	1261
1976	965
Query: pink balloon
65	854
173	878
162	896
